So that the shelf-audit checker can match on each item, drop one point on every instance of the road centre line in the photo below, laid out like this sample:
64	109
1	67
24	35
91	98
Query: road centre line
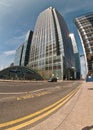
12	93
30	94
49	110
22	92
5	93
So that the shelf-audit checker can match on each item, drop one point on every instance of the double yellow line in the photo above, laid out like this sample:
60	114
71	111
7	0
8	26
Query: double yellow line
37	115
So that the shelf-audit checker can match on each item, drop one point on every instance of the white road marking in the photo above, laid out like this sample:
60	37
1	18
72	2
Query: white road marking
11	93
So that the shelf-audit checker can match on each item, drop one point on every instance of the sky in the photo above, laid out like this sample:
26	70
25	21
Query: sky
19	16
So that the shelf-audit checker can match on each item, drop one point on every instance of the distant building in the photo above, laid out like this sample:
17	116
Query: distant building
18	55
22	53
51	49
26	49
77	58
85	29
12	64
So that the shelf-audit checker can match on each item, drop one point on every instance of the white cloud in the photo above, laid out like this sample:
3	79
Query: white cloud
2	3
6	58
8	53
22	37
73	6
16	40
1	68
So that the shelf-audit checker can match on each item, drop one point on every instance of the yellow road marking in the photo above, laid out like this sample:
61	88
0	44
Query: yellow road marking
65	99
41	116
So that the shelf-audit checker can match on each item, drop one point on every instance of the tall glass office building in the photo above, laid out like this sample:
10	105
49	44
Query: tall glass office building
77	57
22	52
26	49
18	55
51	49
85	29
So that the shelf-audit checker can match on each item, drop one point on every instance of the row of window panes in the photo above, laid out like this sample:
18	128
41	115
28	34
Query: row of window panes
33	56
53	67
90	39
42	65
87	29
52	62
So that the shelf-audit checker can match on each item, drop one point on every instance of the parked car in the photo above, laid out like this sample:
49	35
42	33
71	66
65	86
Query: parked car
53	79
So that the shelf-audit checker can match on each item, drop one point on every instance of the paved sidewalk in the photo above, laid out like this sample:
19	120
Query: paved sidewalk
76	114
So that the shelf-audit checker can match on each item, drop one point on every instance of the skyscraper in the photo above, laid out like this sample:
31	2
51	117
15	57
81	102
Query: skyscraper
18	55
77	57
51	49
22	52
85	29
26	49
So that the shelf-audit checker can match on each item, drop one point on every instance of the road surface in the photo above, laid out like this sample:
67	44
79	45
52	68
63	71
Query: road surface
21	102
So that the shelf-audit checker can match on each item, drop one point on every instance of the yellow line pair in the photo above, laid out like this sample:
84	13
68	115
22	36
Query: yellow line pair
48	110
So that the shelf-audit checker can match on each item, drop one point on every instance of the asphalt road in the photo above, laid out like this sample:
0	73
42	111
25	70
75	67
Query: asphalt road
19	99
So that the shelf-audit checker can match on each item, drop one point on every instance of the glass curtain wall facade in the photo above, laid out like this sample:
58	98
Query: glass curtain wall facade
26	49
22	53
77	58
51	50
85	29
18	55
